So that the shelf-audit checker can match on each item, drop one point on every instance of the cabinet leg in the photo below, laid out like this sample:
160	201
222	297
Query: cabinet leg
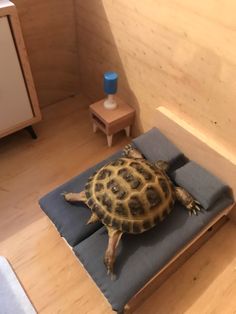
109	140
127	131
31	132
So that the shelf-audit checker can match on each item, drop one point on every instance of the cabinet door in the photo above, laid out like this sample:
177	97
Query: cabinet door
15	106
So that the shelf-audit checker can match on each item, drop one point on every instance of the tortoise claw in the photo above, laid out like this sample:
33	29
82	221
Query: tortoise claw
192	211
109	270
113	276
195	208
198	208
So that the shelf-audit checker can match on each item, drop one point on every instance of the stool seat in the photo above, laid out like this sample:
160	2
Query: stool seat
112	121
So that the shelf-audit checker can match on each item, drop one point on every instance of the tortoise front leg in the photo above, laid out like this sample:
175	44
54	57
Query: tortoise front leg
187	200
75	197
110	255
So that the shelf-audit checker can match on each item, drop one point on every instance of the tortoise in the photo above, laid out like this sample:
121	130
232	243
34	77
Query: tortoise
131	195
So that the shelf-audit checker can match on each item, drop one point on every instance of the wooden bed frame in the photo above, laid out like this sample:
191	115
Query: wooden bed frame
213	157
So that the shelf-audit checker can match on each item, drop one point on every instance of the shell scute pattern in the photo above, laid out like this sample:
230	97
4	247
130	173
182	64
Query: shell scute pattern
153	196
136	206
121	210
130	195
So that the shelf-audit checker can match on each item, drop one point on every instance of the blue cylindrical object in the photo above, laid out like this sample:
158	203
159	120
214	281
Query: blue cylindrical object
110	82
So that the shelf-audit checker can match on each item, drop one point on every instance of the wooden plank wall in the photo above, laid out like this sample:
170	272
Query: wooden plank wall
180	54
49	32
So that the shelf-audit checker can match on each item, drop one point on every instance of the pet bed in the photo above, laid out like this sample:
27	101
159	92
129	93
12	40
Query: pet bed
139	257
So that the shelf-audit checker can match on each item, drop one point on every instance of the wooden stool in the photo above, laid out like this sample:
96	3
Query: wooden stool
112	121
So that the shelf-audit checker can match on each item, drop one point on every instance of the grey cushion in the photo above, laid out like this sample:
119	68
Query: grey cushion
140	257
208	190
70	219
155	146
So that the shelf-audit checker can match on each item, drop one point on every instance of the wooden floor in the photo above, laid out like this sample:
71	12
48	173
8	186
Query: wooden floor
51	275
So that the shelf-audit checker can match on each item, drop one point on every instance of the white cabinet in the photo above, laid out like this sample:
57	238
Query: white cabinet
18	101
15	105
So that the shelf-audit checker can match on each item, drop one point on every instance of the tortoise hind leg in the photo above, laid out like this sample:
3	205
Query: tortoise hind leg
110	255
187	200
75	197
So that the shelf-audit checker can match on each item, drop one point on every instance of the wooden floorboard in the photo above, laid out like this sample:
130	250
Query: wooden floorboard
48	270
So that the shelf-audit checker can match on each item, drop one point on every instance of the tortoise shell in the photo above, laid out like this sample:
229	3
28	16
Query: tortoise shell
130	195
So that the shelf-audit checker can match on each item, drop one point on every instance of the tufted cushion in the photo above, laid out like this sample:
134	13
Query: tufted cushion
200	183
155	146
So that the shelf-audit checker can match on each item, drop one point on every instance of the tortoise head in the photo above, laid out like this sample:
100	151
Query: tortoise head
163	165
130	152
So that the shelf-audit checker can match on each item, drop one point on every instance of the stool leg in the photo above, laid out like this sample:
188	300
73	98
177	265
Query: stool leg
127	131
95	127
109	140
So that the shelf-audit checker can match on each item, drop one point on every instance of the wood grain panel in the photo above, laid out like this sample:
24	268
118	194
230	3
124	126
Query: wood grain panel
178	54
49	32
